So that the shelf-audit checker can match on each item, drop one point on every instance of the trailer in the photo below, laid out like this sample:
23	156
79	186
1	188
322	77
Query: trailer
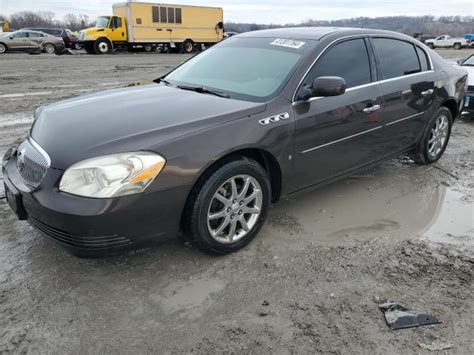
151	26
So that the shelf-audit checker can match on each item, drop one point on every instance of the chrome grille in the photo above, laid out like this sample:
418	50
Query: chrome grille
32	162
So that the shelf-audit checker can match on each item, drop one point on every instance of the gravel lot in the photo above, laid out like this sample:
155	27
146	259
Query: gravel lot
311	282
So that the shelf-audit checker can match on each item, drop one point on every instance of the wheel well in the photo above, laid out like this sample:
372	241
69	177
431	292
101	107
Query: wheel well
452	106
264	158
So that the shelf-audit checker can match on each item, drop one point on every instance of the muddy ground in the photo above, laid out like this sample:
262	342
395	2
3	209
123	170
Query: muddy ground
310	282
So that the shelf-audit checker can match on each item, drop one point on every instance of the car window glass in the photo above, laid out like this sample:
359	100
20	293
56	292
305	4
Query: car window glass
117	22
20	35
348	59
396	58
35	34
423	59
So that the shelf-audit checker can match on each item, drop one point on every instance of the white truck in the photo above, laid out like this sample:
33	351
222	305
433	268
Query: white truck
446	41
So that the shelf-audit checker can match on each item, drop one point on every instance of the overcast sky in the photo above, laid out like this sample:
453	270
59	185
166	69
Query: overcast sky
266	11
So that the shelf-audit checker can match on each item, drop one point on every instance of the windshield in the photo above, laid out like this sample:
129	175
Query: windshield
469	61
252	69
102	22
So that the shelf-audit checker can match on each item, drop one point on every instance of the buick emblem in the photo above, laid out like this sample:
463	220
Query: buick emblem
21	160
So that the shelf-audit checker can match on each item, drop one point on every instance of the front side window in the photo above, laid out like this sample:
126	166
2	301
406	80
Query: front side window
396	58
35	34
20	35
348	60
252	69
116	22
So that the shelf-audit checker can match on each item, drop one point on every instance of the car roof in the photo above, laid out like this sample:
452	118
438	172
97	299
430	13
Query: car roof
314	33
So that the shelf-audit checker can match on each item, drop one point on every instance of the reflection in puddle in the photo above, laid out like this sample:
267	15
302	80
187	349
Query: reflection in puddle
453	222
394	202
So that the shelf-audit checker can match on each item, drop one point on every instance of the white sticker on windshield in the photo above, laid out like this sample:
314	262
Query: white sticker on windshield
289	43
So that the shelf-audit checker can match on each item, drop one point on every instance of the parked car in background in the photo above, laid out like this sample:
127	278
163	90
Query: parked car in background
30	41
447	41
468	64
470	39
207	147
69	38
230	34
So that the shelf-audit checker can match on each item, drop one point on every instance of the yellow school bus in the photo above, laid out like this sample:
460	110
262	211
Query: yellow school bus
149	26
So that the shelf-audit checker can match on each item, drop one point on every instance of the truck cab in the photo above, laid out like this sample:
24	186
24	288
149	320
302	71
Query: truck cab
108	33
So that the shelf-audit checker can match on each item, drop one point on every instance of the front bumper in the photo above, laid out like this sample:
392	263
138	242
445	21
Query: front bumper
89	227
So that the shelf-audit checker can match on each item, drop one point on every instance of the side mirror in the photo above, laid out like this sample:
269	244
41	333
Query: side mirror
11	37
324	86
459	61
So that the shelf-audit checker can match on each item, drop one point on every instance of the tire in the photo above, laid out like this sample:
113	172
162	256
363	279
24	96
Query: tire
431	45
89	48
102	46
148	48
77	46
187	46
49	48
457	46
240	213
3	48
424	152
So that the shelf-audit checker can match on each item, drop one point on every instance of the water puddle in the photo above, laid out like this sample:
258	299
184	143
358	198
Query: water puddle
394	202
188	296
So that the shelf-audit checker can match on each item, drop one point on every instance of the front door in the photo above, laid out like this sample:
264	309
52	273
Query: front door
335	135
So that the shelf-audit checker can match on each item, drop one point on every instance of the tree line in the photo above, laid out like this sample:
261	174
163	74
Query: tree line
22	19
427	25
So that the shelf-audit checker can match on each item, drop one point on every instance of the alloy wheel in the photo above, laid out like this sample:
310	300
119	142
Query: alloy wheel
234	209
3	49
438	136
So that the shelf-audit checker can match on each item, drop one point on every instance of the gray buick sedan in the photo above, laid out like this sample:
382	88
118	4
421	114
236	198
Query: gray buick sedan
208	147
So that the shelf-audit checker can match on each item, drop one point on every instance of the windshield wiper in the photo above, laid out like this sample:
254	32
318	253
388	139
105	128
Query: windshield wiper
164	81
203	90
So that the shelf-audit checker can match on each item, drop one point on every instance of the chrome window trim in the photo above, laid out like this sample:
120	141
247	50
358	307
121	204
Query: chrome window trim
364	85
360	133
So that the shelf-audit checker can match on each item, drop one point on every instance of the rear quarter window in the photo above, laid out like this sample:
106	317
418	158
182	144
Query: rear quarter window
396	58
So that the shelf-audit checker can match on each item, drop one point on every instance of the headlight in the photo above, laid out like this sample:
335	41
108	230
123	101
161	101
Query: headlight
112	175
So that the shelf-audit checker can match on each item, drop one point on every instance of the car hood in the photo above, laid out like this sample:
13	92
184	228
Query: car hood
129	119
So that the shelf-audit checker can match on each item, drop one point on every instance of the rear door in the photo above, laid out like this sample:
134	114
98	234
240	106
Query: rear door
337	134
408	87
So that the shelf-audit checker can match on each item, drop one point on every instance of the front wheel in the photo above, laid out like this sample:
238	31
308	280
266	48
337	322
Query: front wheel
431	45
77	46
102	46
3	48
228	210
457	46
435	139
49	48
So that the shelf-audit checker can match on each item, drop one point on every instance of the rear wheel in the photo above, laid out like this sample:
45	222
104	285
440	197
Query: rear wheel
435	138
102	46
49	48
148	48
187	46
228	210
3	48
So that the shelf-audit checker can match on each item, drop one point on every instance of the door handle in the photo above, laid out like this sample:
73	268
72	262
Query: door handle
427	92
371	109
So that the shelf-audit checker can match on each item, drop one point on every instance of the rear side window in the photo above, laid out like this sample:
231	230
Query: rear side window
155	14
349	60
423	59
163	14
396	58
